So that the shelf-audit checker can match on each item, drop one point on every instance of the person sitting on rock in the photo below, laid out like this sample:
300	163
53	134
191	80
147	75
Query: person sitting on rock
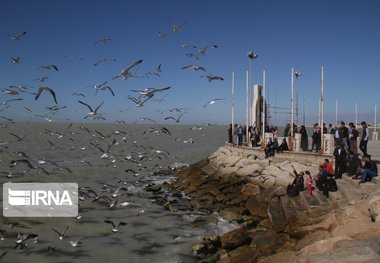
369	170
273	147
297	185
268	147
329	170
353	163
283	146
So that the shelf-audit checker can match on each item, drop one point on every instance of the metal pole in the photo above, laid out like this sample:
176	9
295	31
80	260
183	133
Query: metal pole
246	116
233	108
303	112
322	113
374	125
233	99
319	111
275	107
356	114
264	108
296	84
292	107
336	112
251	92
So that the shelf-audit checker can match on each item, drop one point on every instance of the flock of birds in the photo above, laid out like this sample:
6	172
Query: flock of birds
112	150
99	148
131	71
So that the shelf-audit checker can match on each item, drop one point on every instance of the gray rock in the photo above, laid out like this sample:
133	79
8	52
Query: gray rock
344	255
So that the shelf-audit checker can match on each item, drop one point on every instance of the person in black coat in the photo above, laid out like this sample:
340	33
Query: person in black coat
304	139
230	134
340	155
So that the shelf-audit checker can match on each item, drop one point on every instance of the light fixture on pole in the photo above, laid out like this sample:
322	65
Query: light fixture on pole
297	74
251	56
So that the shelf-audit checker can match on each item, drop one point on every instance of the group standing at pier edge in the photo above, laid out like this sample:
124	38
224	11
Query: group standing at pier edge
344	137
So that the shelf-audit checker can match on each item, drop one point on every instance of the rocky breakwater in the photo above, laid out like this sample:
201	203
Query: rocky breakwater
251	191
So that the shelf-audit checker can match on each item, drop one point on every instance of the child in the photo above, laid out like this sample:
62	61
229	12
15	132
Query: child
309	181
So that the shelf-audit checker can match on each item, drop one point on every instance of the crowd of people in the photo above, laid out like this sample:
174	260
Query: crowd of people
346	155
346	137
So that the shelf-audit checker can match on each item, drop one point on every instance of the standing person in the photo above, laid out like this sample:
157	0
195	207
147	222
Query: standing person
309	181
344	135
331	129
230	134
364	139
240	135
287	130
304	139
340	160
245	134
318	137
236	134
353	138
315	126
252	137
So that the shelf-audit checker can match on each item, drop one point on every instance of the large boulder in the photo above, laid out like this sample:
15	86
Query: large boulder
246	254
281	257
250	189
318	247
262	180
325	225
374	208
256	207
235	238
352	255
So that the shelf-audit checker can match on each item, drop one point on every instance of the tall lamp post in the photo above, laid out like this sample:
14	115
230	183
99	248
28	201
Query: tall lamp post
251	56
297	74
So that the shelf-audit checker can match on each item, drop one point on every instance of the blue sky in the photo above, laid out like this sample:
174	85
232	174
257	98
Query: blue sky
343	36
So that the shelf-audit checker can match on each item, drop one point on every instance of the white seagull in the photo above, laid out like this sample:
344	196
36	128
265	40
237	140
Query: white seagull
212	102
125	74
19	36
92	112
115	228
195	68
41	89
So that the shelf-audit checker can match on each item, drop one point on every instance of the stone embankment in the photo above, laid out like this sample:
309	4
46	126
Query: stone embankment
251	190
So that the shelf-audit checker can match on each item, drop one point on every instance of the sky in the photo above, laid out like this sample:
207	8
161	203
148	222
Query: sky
341	35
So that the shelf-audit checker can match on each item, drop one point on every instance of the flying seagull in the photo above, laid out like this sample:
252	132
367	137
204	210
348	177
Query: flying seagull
177	27
92	112
202	50
41	89
102	60
22	238
16	60
19	36
125	74
61	235
176	119
195	68
212	102
115	228
41	79
103	41
211	77
297	74
149	92
49	67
